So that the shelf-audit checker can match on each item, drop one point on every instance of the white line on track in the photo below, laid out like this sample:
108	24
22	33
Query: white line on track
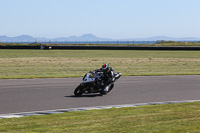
23	114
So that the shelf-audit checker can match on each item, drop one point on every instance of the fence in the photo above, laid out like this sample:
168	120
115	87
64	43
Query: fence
89	42
50	47
80	42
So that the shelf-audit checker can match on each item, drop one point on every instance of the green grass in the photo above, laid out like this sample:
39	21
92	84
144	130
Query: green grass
170	118
75	63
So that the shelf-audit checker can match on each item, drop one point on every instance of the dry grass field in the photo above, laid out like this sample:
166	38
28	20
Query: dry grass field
75	63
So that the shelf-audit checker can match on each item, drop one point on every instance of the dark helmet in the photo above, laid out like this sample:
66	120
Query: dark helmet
105	67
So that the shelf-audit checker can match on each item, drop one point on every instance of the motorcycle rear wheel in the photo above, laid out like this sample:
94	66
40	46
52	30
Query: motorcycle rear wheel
110	88
78	91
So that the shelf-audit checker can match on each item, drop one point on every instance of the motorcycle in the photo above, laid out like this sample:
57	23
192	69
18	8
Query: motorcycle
93	83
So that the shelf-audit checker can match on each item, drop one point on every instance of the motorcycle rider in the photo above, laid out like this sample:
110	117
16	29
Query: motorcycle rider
108	76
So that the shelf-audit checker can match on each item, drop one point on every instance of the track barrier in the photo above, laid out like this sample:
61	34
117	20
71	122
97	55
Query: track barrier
56	47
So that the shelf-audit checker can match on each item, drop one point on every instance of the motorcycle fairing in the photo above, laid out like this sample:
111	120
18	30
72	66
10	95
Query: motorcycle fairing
89	77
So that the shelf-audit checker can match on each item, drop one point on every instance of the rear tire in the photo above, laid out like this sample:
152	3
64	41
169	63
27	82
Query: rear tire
110	88
78	91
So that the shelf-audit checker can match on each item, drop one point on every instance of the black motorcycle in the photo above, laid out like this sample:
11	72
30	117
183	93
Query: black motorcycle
93	83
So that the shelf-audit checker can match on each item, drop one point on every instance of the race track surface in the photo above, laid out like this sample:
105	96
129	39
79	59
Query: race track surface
26	95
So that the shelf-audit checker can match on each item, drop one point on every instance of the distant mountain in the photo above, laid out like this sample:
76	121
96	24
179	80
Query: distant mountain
23	37
17	38
85	37
2	38
90	37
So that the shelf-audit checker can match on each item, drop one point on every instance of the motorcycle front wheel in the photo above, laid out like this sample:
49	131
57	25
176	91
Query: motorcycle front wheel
78	91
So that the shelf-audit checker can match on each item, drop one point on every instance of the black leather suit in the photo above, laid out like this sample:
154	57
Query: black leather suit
108	77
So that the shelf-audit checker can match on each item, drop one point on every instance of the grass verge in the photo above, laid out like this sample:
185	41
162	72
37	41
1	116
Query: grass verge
181	117
75	63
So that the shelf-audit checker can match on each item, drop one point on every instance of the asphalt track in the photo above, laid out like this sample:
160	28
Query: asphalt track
26	95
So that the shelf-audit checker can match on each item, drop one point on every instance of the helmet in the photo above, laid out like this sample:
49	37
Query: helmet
105	67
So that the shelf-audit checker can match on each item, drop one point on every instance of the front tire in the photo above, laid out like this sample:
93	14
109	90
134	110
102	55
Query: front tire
78	91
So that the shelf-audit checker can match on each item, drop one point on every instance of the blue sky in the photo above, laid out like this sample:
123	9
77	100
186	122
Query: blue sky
115	19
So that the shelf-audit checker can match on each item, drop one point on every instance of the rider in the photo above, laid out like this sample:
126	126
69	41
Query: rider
108	76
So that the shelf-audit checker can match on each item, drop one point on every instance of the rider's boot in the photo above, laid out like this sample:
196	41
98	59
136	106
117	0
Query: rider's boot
106	89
